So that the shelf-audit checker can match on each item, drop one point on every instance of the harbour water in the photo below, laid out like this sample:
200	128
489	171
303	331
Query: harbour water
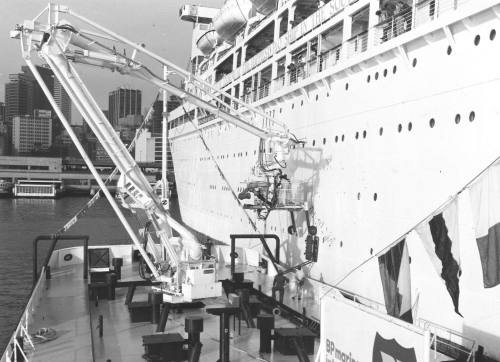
21	220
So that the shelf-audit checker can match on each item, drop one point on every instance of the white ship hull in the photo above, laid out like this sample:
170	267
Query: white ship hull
380	156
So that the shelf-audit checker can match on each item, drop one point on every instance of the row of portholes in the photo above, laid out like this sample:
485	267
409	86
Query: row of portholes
432	123
375	196
385	72
477	40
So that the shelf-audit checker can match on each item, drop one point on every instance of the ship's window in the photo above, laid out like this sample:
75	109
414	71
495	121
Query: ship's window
414	63
293	105
385	72
477	39
341	243
324	140
303	144
364	134
381	131
327	94
336	139
359	195
314	142
343	138
346	86
432	122
457	119
368	78
317	97
472	116
301	103
449	50
371	251
394	69
246	153
400	127
376	76
281	110
357	135
255	152
375	196
410	126
493	34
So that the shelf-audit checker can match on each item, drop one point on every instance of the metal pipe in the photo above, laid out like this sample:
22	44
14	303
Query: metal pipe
89	164
189	76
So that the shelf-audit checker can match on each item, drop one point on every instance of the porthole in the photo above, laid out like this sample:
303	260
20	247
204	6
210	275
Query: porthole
457	119
477	40
317	97
371	251
359	195
281	110
472	116
493	34
341	243
328	94
394	69
376	76
346	86
400	127
301	103
385	72
314	143
336	139
357	135
293	105
303	144
432	122
449	50
343	138
414	63
364	134
324	140
375	196
68	257
368	79
381	131
410	126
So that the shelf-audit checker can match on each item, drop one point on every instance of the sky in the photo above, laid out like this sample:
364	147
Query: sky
155	23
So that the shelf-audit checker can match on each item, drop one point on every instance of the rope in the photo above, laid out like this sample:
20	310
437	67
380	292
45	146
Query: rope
44	335
233	193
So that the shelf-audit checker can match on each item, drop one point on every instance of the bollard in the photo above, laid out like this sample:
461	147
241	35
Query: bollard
155	299
193	325
117	265
111	285
48	275
265	323
100	326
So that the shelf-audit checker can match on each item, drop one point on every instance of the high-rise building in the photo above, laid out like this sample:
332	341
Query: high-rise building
157	117
32	133
124	102
23	95
62	99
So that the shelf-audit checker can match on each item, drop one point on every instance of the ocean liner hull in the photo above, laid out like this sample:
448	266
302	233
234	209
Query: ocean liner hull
391	134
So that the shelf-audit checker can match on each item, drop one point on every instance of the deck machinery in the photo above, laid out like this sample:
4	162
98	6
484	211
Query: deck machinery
59	44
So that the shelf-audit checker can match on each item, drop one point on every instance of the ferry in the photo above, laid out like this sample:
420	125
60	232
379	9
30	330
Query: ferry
38	189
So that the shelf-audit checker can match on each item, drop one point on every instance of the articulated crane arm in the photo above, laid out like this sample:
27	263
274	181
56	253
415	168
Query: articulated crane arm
60	44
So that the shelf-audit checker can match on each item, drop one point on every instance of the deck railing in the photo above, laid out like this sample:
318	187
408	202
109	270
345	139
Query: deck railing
420	13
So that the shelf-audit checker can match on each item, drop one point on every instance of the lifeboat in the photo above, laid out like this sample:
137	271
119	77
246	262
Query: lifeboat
208	41
264	7
231	18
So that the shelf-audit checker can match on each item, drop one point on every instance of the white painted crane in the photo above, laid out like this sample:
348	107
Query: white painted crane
60	44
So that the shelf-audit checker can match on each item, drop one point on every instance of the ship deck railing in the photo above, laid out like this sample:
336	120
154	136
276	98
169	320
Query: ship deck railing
448	341
420	13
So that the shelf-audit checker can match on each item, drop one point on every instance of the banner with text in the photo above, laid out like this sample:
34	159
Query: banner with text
352	332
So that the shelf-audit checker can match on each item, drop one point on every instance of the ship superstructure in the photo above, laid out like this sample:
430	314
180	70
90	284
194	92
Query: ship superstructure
395	103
